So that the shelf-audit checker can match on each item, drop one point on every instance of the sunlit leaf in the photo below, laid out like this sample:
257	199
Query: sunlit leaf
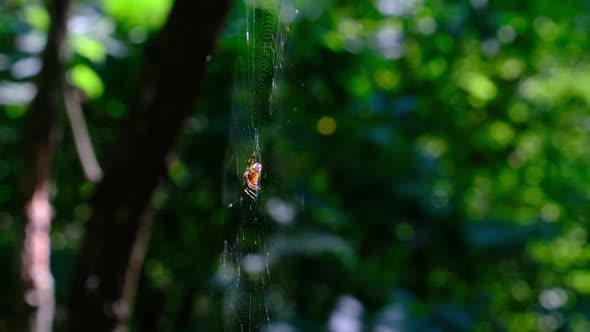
150	14
87	80
89	48
478	85
580	280
37	17
501	133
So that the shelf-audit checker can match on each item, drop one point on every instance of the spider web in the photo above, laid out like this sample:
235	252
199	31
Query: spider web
245	261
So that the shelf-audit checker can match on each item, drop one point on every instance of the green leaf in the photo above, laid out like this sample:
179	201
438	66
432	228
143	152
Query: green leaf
88	80
37	17
360	86
150	14
15	111
501	133
89	48
478	85
178	171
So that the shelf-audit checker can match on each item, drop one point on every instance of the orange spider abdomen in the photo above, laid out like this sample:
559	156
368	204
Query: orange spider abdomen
252	176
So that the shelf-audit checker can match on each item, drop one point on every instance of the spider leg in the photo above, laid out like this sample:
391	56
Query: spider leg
251	193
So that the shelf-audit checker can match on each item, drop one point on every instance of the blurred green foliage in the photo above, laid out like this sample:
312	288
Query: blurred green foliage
433	156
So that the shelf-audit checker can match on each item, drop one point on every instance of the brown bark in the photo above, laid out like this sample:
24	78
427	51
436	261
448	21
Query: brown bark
113	248
40	141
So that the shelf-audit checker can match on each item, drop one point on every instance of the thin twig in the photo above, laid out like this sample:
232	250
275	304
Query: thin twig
84	148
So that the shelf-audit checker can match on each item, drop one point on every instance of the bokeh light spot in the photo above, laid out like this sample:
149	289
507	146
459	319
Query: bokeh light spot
478	85
511	69
386	79
37	17
426	25
518	113
333	41
580	280
552	299
501	133
506	34
326	125
550	212
88	80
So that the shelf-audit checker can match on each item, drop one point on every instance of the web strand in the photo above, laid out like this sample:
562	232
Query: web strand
255	100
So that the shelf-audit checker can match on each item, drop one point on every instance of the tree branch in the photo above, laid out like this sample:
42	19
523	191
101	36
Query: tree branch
41	138
88	161
114	239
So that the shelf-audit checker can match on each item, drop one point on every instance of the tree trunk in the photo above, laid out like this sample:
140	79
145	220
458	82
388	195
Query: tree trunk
113	248
40	141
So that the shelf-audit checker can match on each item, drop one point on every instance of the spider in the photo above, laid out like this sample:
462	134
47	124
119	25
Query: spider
251	179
